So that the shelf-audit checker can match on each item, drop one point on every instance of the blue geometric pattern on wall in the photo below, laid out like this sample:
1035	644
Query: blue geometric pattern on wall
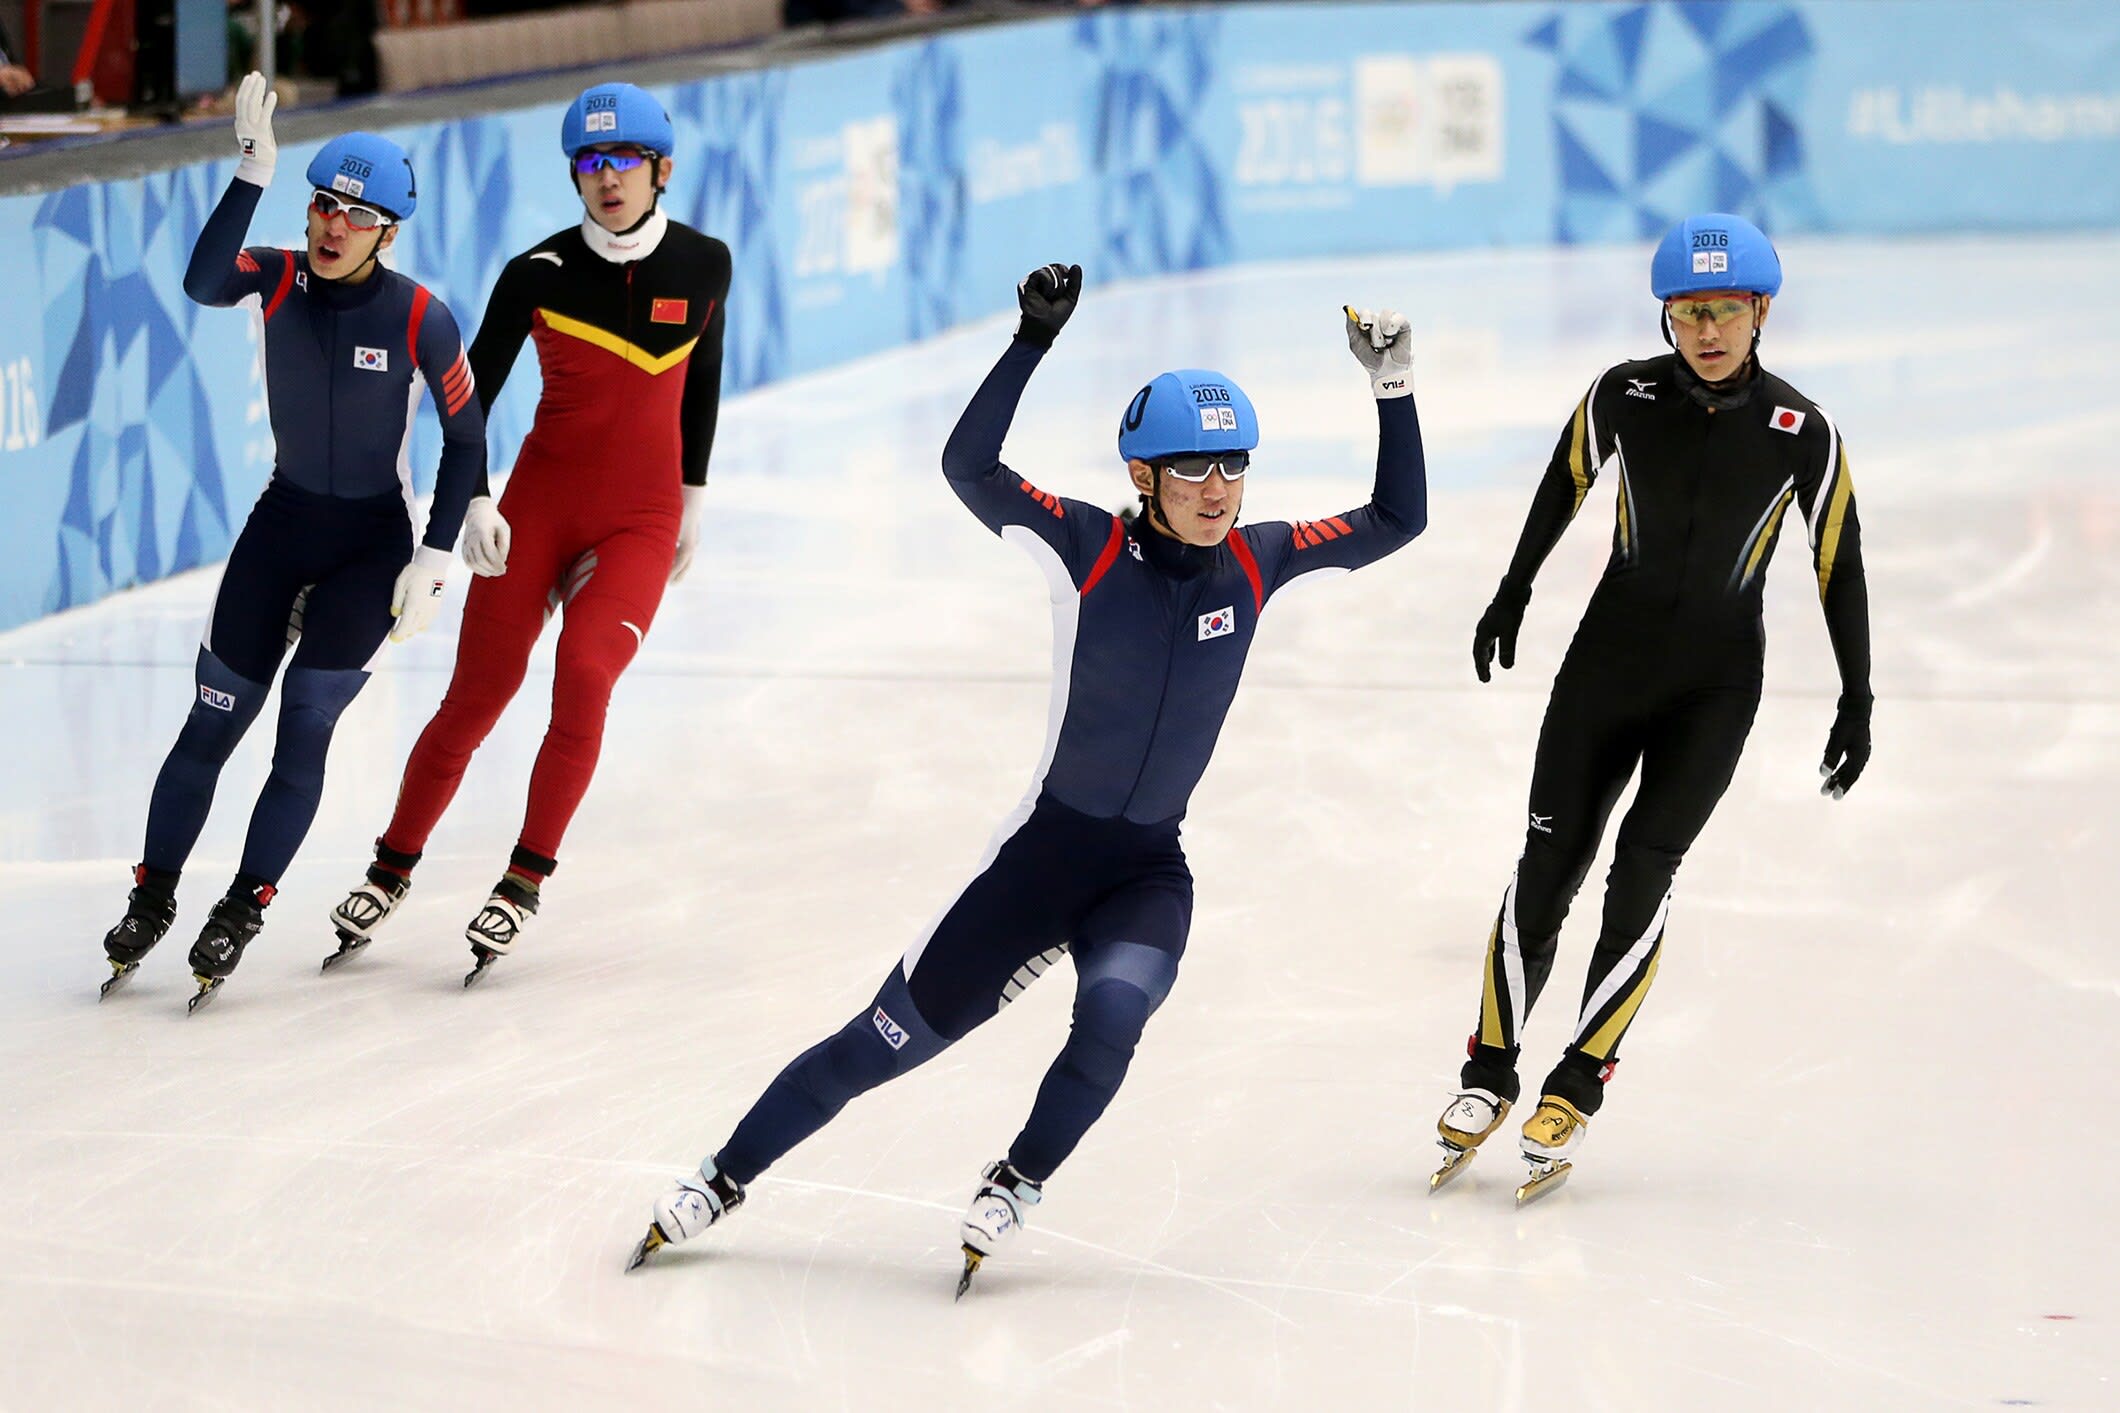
1664	109
927	94
145	494
1160	206
728	135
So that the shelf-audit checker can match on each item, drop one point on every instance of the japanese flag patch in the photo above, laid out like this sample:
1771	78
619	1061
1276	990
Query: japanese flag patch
371	360
1786	419
1219	624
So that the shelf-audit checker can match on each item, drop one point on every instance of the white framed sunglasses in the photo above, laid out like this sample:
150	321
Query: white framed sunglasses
362	218
1194	470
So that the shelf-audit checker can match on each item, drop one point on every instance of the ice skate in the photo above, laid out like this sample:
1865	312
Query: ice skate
229	928
1473	1115
492	933
1553	1131
696	1203
149	911
365	909
996	1216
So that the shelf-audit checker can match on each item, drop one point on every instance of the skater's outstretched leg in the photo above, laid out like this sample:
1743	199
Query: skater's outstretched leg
1118	986
224	704
887	1039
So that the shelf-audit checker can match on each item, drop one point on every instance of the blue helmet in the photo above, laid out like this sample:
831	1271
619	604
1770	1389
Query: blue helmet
369	168
1715	251
1185	412
616	112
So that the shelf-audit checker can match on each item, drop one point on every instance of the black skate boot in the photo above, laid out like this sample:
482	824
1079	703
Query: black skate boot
492	933
149	911
229	928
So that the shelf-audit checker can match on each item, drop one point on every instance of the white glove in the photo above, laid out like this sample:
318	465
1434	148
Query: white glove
688	531
1383	342
255	101
418	595
485	538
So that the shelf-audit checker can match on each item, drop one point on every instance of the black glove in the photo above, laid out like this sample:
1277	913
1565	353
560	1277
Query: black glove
1847	745
1047	295
1498	627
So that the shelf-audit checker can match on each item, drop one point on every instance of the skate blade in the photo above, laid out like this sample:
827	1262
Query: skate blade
486	957
1453	1164
971	1264
209	987
653	1242
1543	1180
350	944
120	973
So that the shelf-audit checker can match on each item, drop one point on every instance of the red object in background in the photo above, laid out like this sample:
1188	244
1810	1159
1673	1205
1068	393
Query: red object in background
106	55
32	40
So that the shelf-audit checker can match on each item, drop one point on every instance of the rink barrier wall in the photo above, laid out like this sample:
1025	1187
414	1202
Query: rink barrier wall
881	197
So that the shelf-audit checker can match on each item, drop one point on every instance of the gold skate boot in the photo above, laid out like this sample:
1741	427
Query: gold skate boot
1473	1114
1554	1130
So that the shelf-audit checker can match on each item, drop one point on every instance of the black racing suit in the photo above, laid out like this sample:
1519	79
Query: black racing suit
1664	672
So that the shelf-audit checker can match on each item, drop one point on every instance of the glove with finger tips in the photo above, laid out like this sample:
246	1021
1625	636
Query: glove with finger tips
255	102
1498	628
1047	296
1847	747
1383	342
417	596
485	538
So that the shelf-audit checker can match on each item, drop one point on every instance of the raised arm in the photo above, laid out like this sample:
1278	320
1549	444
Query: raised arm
971	459
221	271
1398	504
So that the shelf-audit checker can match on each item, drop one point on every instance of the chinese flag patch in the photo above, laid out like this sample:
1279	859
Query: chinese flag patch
667	311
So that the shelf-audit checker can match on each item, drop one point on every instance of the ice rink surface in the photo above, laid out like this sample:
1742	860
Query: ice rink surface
1858	1155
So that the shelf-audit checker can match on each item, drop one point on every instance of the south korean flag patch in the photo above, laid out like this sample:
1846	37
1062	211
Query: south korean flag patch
1786	419
1219	624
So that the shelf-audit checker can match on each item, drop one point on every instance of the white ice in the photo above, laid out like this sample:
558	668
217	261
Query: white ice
1859	1154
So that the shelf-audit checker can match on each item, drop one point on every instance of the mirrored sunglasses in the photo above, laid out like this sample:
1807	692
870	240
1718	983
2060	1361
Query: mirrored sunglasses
361	218
588	164
1695	312
1196	469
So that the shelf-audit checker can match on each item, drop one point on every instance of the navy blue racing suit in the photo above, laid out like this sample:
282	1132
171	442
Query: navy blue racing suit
1149	641
316	562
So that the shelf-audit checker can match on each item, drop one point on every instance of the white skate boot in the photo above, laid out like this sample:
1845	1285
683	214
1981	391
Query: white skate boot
694	1204
1553	1132
493	932
1473	1115
365	909
995	1217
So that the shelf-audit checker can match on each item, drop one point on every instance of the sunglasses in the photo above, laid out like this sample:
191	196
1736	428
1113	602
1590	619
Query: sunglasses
1695	312
588	164
361	218
1196	469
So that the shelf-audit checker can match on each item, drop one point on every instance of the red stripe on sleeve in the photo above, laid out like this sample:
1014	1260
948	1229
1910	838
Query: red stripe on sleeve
412	323
286	283
1108	558
1241	548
